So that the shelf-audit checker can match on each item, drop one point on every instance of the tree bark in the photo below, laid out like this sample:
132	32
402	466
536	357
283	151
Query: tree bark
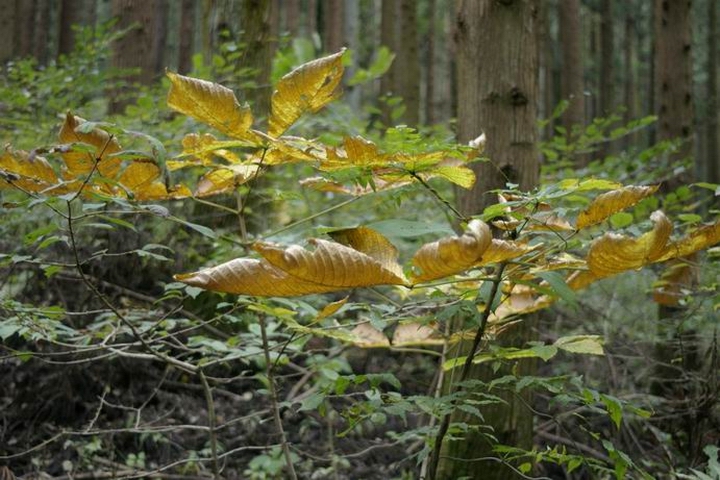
673	79
572	82
140	48
8	22
408	63
187	36
332	25
389	37
607	70
25	17
497	95
73	13
258	51
712	155
630	54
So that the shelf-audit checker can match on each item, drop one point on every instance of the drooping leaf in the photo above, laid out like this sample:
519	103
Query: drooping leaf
222	180
503	250
32	173
202	150
307	88
366	336
613	253
416	334
452	255
213	105
699	239
81	163
294	271
611	202
371	243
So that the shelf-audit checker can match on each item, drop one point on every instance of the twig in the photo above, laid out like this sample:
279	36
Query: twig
274	401
211	423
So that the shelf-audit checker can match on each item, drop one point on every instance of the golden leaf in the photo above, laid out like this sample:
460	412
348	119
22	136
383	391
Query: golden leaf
613	253
202	149
332	264
612	202
81	163
211	104
580	279
331	309
452	255
699	239
371	243
307	88
460	175
29	172
224	179
503	250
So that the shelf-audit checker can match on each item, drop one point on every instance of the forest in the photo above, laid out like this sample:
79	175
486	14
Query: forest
359	239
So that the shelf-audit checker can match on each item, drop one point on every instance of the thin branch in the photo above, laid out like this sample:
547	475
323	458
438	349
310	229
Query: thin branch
211	424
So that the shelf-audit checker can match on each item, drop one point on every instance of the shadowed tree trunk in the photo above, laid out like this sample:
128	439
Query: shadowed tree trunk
258	51
332	25
497	95
72	13
712	156
408	63
630	54
572	82
187	36
8	21
389	38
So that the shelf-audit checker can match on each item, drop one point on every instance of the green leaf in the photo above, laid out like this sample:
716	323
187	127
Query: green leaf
208	232
614	408
586	344
560	287
410	229
621	219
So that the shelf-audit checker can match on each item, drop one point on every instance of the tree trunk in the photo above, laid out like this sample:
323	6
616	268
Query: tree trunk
389	37
607	71
430	63
73	13
712	155
408	63
8	22
497	95
332	25
673	79
258	51
24	27
292	17
187	30
138	49
631	108
572	81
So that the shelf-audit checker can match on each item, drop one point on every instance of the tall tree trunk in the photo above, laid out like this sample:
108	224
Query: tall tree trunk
258	51
430	63
187	36
24	28
546	63
572	81
712	155
389	37
8	22
311	18
138	49
408	62
630	54
73	13
497	95
607	70
292	17
332	25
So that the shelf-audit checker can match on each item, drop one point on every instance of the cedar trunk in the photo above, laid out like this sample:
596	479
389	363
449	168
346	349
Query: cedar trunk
497	95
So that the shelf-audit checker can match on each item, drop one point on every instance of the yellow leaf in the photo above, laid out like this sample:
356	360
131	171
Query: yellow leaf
503	250
371	243
224	179
521	299
212	104
612	202
29	172
459	175
247	276
699	239
139	174
580	279
613	253
307	88
380	184
452	255
331	264
80	163
202	149
331	309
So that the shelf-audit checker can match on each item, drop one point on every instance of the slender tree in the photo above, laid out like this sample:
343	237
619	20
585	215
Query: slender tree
607	68
187	36
497	95
712	155
629	57
572	83
389	37
408	62
258	50
8	21
73	13
333	25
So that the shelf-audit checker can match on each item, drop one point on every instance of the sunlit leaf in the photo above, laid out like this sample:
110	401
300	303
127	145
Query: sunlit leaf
331	308
699	239
613	253
452	255
80	163
224	179
30	172
611	202
577	184
202	150
460	175
212	104
371	243
307	88
503	250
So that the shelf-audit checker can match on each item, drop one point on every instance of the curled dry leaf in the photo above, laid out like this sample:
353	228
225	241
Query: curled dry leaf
80	163
211	104
371	243
452	255
32	173
294	271
307	88
613	253
699	239
503	250
612	202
